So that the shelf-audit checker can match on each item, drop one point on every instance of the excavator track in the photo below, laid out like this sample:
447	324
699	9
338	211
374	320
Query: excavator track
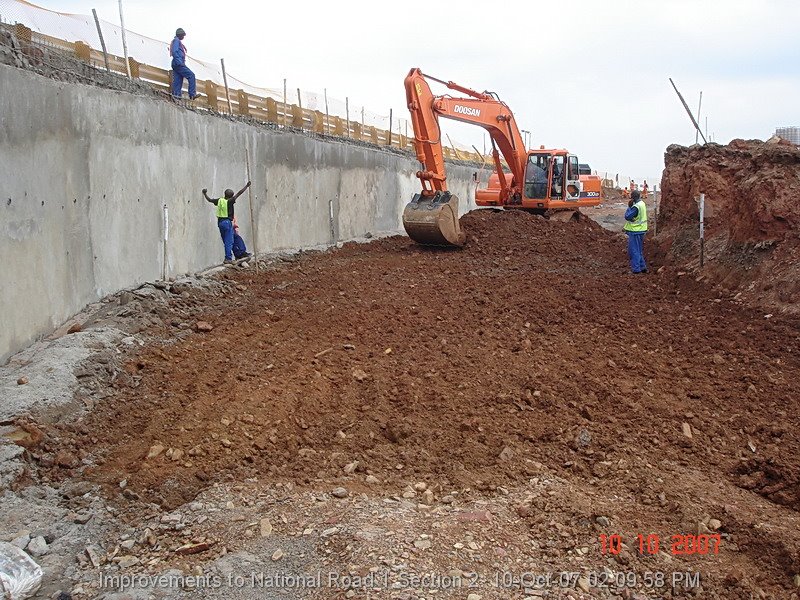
433	220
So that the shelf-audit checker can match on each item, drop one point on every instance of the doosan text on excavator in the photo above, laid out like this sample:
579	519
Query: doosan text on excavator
534	180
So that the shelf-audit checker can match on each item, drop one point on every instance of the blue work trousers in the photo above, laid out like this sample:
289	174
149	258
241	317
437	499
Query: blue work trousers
239	249
178	73
636	251
226	231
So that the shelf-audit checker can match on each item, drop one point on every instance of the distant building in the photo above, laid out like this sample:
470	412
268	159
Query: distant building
791	134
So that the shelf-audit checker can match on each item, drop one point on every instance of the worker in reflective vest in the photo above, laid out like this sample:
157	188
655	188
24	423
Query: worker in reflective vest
635	227
225	216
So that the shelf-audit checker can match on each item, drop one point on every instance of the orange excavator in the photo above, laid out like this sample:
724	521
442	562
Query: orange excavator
536	180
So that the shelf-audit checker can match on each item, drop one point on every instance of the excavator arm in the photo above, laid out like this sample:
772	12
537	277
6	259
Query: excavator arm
432	216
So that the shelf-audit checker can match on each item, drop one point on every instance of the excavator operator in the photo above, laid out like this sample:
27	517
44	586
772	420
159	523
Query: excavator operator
536	178
558	171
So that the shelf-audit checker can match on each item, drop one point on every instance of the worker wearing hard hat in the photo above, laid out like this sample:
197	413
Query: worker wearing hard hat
635	227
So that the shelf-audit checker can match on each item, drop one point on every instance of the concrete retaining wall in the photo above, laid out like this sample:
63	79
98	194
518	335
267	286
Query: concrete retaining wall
85	173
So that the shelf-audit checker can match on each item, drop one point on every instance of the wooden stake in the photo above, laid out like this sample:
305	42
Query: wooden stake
252	217
166	239
347	112
225	80
655	211
688	111
300	104
102	41
284	102
327	115
458	156
699	106
124	41
702	229
389	143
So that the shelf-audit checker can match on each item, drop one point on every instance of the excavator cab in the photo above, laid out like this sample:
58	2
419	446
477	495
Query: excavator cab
537	175
552	176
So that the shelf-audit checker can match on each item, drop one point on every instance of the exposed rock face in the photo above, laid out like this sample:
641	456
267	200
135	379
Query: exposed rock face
752	216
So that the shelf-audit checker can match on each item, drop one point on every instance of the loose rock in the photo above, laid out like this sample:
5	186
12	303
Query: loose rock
203	326
37	546
266	528
155	451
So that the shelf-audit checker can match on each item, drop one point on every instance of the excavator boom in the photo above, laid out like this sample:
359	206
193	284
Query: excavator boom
432	215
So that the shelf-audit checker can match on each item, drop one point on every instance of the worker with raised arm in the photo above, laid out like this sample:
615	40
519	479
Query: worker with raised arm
225	216
635	227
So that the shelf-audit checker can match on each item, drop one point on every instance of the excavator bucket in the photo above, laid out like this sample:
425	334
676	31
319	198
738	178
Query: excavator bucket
433	220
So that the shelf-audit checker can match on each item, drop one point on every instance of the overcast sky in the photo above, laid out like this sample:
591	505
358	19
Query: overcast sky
586	75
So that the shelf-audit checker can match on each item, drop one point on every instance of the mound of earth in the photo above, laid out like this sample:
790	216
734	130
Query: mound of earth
751	216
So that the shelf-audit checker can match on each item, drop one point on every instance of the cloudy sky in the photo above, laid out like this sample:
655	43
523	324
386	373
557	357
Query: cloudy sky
588	75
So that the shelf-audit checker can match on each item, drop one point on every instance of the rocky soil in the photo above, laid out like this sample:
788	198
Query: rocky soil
389	421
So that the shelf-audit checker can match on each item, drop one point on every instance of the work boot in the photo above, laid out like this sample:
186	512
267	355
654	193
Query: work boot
243	256
228	261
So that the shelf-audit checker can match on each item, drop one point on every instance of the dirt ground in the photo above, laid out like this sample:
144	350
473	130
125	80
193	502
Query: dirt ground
480	415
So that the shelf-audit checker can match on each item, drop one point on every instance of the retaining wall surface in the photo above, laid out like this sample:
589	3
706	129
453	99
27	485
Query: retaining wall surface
85	173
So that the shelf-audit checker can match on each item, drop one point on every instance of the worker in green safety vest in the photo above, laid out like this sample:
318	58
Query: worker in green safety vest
635	227
225	214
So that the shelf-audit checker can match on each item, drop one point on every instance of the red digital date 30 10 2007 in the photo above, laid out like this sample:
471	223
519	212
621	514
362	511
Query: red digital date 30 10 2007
681	545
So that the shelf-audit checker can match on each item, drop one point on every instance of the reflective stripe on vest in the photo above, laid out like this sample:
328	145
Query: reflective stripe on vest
222	208
638	225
